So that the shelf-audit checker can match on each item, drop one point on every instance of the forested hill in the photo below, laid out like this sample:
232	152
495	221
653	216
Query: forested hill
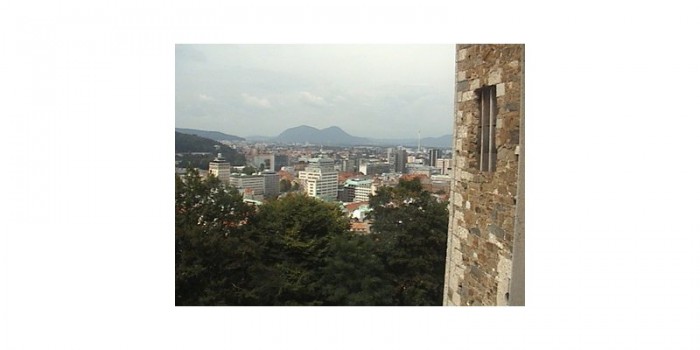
214	135
186	144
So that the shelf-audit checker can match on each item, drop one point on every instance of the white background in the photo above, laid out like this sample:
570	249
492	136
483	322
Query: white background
612	197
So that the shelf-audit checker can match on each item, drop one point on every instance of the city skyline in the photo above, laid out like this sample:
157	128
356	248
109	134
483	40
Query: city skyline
381	91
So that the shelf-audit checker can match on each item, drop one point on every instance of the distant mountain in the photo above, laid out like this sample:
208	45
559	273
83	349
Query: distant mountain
328	136
444	141
259	138
212	135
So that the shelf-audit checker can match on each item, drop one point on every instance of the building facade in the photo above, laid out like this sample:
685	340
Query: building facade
254	183
400	160
220	168
272	184
433	156
320	179
485	253
264	161
358	190
444	165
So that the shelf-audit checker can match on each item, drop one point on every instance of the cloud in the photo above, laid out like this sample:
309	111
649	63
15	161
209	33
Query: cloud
339	98
205	97
189	53
312	99
256	101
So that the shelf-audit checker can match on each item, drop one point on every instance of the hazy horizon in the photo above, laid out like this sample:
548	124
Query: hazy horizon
375	91
277	134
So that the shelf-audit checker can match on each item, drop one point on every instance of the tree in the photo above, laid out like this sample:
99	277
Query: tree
295	232
248	170
285	185
411	235
353	274
214	252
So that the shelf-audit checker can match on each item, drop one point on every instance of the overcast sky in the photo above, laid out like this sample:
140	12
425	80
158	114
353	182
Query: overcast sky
377	91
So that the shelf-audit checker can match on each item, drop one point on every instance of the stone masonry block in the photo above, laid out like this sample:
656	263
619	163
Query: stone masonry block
458	199
468	96
500	89
474	84
495	76
459	214
462	54
461	75
461	232
467	176
470	118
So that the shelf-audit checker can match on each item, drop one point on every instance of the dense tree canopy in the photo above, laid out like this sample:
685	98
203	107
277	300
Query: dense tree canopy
213	248
298	250
411	231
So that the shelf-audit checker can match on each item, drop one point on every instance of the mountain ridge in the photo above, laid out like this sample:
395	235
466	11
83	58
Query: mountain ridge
331	136
212	135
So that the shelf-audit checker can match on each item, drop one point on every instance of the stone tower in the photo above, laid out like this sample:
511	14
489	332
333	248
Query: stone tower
485	246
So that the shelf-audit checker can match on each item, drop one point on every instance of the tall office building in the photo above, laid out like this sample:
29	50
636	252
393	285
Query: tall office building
220	168
358	190
320	179
400	160
272	183
433	156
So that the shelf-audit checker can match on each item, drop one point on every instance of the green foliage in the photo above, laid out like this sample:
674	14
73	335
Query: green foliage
248	170
213	251
411	231
353	274
296	231
186	144
285	185
298	250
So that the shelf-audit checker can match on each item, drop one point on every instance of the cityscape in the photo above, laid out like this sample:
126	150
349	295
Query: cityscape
347	175
347	205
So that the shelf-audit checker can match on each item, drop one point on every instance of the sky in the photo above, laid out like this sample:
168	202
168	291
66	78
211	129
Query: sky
379	91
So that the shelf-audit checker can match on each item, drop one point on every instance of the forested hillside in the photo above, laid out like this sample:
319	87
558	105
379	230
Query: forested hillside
186	144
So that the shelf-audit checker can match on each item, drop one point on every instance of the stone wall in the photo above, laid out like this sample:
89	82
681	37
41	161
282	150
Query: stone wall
486	226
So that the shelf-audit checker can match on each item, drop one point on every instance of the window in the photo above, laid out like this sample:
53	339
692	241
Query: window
487	129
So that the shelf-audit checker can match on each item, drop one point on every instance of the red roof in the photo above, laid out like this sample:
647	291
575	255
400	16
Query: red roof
354	206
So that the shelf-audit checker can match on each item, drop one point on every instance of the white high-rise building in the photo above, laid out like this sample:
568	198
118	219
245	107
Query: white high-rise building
321	164
320	179
220	168
360	189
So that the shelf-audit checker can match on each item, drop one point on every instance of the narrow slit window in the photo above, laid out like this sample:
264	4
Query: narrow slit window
487	137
